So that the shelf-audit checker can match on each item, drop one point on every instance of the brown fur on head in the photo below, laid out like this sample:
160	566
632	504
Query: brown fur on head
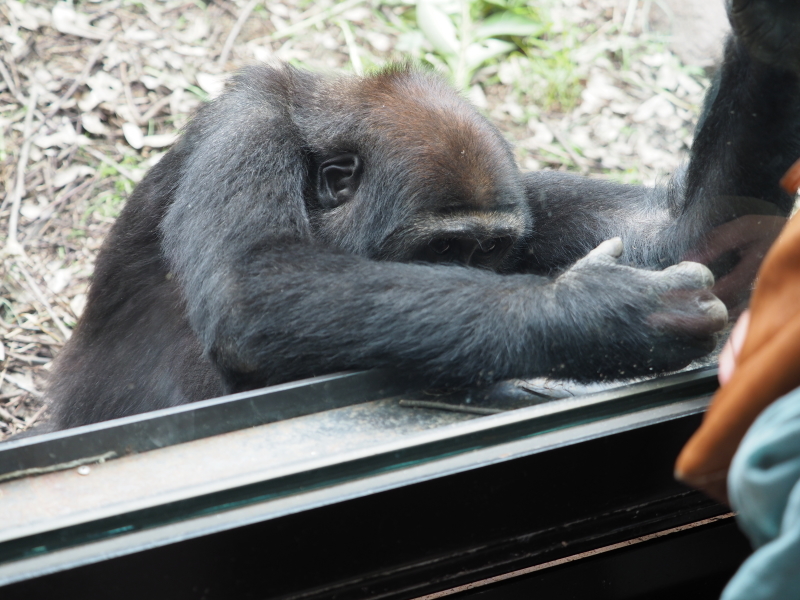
439	170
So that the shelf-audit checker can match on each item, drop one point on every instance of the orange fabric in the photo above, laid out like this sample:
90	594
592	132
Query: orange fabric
767	367
791	181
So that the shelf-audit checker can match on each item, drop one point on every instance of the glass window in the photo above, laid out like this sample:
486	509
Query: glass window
601	116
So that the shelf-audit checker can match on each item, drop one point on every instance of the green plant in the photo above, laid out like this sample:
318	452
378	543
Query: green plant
108	203
556	69
629	176
467	34
201	95
7	312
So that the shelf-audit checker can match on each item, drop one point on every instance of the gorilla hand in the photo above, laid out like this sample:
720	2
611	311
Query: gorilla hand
636	321
769	30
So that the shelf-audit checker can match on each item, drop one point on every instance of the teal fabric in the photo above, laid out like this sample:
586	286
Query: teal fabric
764	489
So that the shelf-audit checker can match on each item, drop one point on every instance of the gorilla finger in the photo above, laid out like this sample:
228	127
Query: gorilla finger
612	248
690	275
699	318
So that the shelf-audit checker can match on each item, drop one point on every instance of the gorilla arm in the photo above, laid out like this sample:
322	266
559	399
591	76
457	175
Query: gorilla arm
748	136
269	303
280	319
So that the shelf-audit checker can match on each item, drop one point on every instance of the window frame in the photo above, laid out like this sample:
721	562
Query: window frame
620	443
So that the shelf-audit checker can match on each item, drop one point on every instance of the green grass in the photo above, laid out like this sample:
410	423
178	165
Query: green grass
109	202
466	35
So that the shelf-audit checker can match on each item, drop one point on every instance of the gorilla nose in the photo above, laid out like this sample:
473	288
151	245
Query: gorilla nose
465	253
454	250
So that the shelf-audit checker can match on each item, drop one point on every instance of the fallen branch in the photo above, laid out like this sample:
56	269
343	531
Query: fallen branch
34	287
310	21
155	109
135	177
12	245
237	28
579	161
80	79
20	384
126	85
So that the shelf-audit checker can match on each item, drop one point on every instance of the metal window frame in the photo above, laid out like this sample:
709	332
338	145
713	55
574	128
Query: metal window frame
319	524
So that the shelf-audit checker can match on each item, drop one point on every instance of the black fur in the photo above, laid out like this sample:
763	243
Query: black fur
299	226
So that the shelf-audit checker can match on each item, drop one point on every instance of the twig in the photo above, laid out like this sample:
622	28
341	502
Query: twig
155	109
47	172
83	75
62	156
49	211
8	417
172	8
9	81
223	5
630	13
34	287
388	13
35	416
36	113
14	74
304	24
352	49
32	360
638	81
237	28
135	177
19	189
20	384
126	84
564	142
34	177
11	399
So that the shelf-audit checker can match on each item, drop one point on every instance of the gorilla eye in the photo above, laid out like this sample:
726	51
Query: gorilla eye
440	246
488	246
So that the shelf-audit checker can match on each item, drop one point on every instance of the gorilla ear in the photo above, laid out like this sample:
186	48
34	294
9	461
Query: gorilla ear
338	179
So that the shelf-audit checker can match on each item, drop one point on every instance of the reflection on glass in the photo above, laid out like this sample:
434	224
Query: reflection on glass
308	224
734	250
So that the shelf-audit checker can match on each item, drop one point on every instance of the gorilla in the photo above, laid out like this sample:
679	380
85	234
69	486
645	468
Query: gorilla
307	224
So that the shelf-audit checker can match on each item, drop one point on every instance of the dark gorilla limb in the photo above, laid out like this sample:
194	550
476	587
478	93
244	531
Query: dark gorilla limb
769	29
726	207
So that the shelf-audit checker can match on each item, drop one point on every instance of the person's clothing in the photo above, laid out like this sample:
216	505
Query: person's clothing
764	489
767	367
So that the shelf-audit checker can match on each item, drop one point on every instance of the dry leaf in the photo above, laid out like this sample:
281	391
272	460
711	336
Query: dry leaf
77	304
104	88
70	174
92	123
64	137
655	106
67	20
28	16
58	280
159	141
211	84
30	209
133	135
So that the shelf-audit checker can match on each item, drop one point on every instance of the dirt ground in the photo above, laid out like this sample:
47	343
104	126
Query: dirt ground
92	95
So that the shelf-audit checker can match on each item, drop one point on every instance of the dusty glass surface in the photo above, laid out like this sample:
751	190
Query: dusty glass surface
586	88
